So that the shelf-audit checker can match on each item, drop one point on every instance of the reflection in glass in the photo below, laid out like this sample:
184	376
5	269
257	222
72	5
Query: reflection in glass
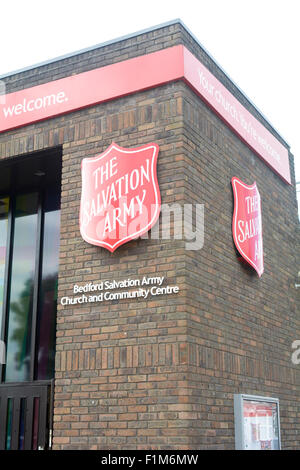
9	422
261	429
35	429
4	206
21	289
22	424
48	289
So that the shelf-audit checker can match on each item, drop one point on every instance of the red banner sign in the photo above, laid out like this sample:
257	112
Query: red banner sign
89	88
120	197
247	224
140	73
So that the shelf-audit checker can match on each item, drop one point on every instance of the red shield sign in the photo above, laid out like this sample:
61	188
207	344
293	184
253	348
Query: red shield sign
120	198
247	224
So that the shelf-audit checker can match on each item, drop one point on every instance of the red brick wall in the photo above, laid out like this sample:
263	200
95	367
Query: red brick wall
162	373
121	366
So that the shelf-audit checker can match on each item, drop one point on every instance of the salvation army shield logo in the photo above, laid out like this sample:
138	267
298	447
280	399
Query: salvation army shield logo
120	198
247	224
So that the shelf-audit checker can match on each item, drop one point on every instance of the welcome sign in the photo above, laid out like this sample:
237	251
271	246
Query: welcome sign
120	198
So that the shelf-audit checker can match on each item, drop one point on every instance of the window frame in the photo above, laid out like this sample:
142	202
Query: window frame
37	278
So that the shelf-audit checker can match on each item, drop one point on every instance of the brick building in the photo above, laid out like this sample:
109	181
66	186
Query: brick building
159	372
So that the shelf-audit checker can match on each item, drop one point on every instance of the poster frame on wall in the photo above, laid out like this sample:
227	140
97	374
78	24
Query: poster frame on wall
239	400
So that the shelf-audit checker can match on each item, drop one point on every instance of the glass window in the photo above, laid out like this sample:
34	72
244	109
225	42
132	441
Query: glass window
21	289
48	289
30	229
4	207
257	423
260	425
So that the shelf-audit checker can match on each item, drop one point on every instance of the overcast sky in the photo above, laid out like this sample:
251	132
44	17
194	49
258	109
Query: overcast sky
255	42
